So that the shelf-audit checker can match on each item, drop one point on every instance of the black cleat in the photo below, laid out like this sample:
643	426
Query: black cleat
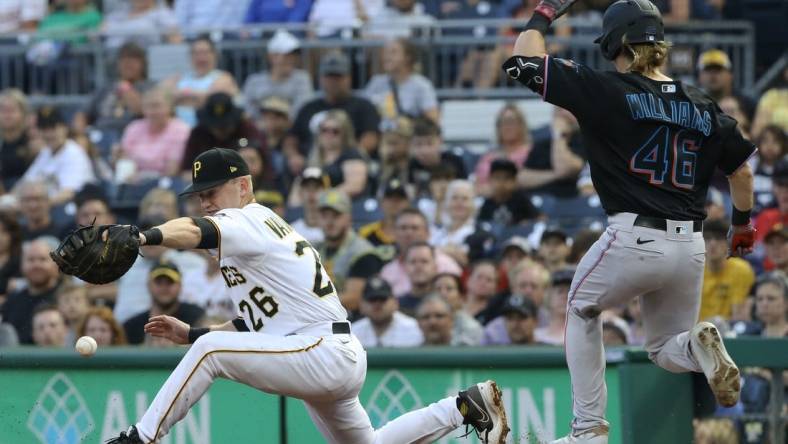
130	437
482	408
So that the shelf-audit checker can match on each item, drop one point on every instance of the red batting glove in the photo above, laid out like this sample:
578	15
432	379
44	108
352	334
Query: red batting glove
740	240
552	9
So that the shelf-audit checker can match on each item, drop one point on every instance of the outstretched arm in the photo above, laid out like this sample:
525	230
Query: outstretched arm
530	43
184	233
180	332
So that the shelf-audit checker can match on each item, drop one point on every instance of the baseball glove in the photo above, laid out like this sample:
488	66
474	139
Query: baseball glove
98	254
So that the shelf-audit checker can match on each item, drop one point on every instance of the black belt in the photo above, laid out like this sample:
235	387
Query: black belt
662	224
340	328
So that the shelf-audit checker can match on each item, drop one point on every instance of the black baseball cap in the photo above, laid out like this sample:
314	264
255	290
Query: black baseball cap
215	167
519	304
219	111
505	165
165	269
49	116
377	289
563	276
553	232
335	64
395	187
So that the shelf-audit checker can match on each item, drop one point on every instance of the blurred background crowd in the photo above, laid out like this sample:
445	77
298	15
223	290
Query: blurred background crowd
346	119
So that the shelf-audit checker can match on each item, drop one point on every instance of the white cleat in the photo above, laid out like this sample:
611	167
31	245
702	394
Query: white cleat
717	365
482	408
595	435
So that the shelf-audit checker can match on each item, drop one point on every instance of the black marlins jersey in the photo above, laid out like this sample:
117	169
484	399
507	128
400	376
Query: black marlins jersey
652	146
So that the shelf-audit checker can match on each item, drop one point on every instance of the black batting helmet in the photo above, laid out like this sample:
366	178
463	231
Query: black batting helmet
633	21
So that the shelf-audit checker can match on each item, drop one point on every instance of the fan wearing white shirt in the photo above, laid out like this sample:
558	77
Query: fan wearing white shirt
63	164
384	325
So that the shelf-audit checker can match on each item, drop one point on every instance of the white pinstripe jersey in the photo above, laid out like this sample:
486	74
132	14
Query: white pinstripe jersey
276	279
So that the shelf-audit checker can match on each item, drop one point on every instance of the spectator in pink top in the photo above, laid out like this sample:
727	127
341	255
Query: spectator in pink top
514	143
411	227
156	142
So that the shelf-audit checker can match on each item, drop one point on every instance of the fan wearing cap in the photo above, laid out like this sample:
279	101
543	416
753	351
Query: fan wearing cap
292	337
519	319
221	123
164	285
726	280
554	248
653	145
769	217
348	258
715	77
776	246
308	188
337	93
394	200
506	205
383	325
282	79
274	122
555	298
63	164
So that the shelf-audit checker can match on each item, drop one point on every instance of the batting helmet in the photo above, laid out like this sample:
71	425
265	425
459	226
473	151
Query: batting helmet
633	21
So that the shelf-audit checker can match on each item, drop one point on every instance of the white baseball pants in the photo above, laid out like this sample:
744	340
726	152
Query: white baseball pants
325	372
664	268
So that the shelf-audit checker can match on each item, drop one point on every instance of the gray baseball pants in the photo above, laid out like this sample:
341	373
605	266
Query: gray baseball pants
664	268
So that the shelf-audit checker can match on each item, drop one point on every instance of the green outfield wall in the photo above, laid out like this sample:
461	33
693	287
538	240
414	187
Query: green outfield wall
58	397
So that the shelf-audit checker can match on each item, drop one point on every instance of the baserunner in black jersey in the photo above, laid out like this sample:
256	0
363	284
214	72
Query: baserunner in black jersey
653	144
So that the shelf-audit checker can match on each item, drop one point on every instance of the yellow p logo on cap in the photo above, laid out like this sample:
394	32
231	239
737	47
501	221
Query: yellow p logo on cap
197	166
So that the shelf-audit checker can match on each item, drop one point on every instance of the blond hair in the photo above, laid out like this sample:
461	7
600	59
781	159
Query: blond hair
347	134
646	57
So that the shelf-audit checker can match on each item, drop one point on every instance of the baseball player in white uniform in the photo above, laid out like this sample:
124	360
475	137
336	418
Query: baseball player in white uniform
292	337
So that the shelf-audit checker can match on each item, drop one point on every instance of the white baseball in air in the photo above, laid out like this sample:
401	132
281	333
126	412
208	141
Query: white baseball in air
86	346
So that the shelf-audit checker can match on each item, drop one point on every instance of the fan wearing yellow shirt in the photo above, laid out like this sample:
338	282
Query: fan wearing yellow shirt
726	281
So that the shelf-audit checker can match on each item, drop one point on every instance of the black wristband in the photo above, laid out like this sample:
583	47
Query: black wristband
539	23
240	325
195	333
153	236
740	217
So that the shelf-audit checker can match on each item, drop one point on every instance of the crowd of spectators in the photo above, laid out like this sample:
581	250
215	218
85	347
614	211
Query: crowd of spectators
365	175
426	244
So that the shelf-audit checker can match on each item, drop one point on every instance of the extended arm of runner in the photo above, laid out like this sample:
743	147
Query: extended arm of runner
530	43
742	234
184	233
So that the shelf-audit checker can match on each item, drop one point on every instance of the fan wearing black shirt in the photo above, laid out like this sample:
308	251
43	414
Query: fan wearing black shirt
428	156
336	86
556	159
164	284
506	205
42	277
